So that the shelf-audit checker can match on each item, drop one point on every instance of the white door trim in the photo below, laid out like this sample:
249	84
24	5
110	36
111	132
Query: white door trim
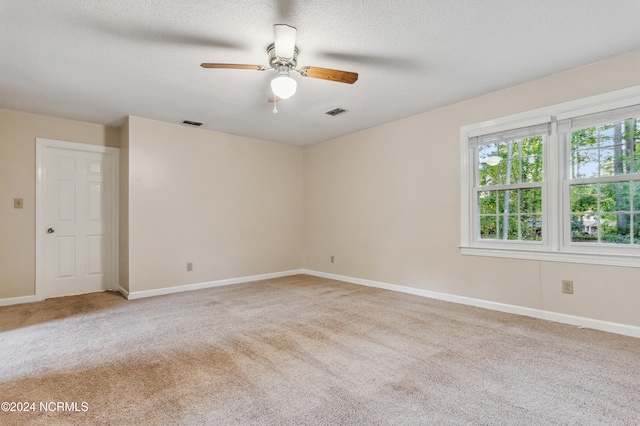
41	176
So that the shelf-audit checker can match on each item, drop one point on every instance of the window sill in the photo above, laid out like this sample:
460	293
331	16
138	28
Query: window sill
631	261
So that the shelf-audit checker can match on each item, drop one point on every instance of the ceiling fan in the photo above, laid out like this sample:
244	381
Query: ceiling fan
283	58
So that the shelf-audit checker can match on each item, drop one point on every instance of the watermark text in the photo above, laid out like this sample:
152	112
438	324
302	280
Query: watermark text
48	406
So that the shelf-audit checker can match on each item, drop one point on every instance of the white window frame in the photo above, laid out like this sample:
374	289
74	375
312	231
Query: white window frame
556	245
567	181
475	189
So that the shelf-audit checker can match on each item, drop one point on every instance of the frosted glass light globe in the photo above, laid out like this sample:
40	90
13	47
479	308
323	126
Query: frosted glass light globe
284	86
494	160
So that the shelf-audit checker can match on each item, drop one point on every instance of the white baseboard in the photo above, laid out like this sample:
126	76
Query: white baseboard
123	292
611	327
132	295
17	300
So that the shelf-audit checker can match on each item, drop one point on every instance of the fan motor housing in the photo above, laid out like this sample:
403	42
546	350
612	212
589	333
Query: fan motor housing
275	62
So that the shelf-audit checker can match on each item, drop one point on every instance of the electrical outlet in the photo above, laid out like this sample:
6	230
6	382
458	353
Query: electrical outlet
189	266
18	203
333	259
567	286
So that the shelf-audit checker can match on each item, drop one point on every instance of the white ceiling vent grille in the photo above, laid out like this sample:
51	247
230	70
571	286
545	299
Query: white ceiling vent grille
335	112
192	123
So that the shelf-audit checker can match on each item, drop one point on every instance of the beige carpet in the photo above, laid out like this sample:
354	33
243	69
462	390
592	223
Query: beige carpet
305	350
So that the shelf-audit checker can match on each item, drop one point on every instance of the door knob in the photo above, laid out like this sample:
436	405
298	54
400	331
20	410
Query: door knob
50	231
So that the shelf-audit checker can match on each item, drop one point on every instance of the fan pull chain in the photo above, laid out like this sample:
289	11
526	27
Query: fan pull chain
275	104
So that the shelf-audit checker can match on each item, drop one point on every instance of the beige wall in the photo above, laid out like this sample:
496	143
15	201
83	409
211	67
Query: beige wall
385	203
231	205
18	132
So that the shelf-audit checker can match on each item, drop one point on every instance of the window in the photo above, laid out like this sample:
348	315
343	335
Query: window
508	184
560	183
603	179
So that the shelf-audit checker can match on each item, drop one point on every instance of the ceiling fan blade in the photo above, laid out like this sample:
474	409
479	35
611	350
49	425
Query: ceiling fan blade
285	41
329	74
234	66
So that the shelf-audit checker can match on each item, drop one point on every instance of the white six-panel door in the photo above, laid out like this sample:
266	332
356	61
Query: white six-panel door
76	223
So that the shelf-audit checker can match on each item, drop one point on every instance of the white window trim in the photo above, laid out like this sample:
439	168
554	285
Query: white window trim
553	247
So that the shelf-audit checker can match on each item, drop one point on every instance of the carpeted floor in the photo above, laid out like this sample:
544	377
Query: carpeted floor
306	350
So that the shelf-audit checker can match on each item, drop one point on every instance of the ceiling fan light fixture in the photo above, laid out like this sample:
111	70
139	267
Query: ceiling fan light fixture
283	58
494	160
284	86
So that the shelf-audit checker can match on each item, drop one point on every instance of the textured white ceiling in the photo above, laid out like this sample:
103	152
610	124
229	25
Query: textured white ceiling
101	60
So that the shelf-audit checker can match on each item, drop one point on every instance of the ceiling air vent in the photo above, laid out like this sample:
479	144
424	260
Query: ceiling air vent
192	123
336	111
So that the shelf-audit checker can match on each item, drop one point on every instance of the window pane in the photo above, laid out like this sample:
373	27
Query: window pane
584	198
531	227
621	160
604	151
616	228
485	175
513	233
487	202
488	227
583	138
508	227
532	146
514	171
606	162
508	149
636	228
584	228
584	163
488	161
532	168
501	173
486	151
616	161
614	197
500	200
508	201
636	196
607	134
506	173
531	200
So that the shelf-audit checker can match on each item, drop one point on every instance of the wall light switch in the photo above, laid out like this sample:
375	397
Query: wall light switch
18	203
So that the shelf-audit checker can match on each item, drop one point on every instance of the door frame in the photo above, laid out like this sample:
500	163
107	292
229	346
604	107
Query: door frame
42	144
